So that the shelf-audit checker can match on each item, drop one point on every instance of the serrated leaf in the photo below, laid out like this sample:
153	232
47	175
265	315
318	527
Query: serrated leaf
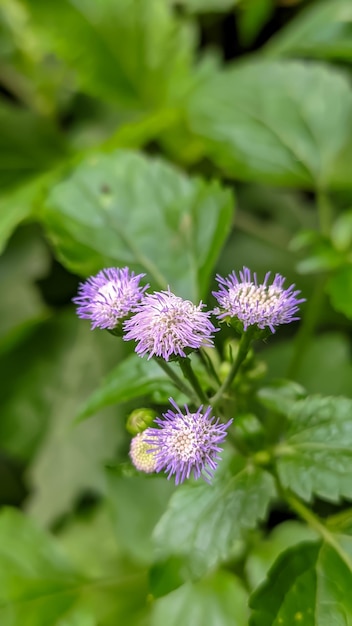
309	584
203	521
131	378
339	288
219	599
316	456
127	209
320	30
281	123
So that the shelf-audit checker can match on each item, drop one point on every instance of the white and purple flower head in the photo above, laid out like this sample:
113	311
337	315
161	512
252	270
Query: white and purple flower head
186	443
109	297
166	325
262	305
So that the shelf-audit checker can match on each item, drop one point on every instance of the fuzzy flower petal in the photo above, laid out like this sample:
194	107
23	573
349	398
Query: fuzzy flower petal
166	325
262	305
187	443
143	460
109	297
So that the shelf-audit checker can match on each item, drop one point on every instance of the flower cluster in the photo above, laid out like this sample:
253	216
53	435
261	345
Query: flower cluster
184	443
163	325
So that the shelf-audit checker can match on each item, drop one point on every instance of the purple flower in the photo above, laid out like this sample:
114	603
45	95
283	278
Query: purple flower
261	305
166	325
186	443
109	297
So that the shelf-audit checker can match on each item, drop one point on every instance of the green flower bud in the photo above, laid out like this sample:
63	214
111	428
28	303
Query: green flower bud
139	420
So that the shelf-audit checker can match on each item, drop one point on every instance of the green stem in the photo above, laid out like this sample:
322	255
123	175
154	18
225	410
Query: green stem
314	522
175	379
245	343
187	370
209	365
307	327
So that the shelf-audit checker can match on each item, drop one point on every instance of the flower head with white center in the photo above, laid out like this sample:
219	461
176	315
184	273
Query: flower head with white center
109	297
166	325
143	460
187	443
262	305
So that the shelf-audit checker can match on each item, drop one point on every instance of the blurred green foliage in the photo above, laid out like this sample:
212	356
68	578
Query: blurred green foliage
129	132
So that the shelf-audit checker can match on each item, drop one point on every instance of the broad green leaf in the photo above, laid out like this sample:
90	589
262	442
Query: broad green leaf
204	521
70	460
130	379
127	209
309	584
321	30
339	288
219	599
263	555
29	145
132	53
136	504
37	585
316	456
277	122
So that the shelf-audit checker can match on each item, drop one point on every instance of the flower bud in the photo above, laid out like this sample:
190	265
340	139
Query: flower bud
143	460
139	420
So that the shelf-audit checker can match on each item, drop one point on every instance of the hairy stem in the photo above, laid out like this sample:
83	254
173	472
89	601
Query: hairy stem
187	370
178	382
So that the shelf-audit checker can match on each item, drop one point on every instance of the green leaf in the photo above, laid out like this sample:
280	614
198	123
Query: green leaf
37	584
127	209
274	122
218	599
309	584
320	30
266	551
25	261
29	144
332	377
316	455
205	6
339	288
132	378
136	504
252	16
204	521
133	53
